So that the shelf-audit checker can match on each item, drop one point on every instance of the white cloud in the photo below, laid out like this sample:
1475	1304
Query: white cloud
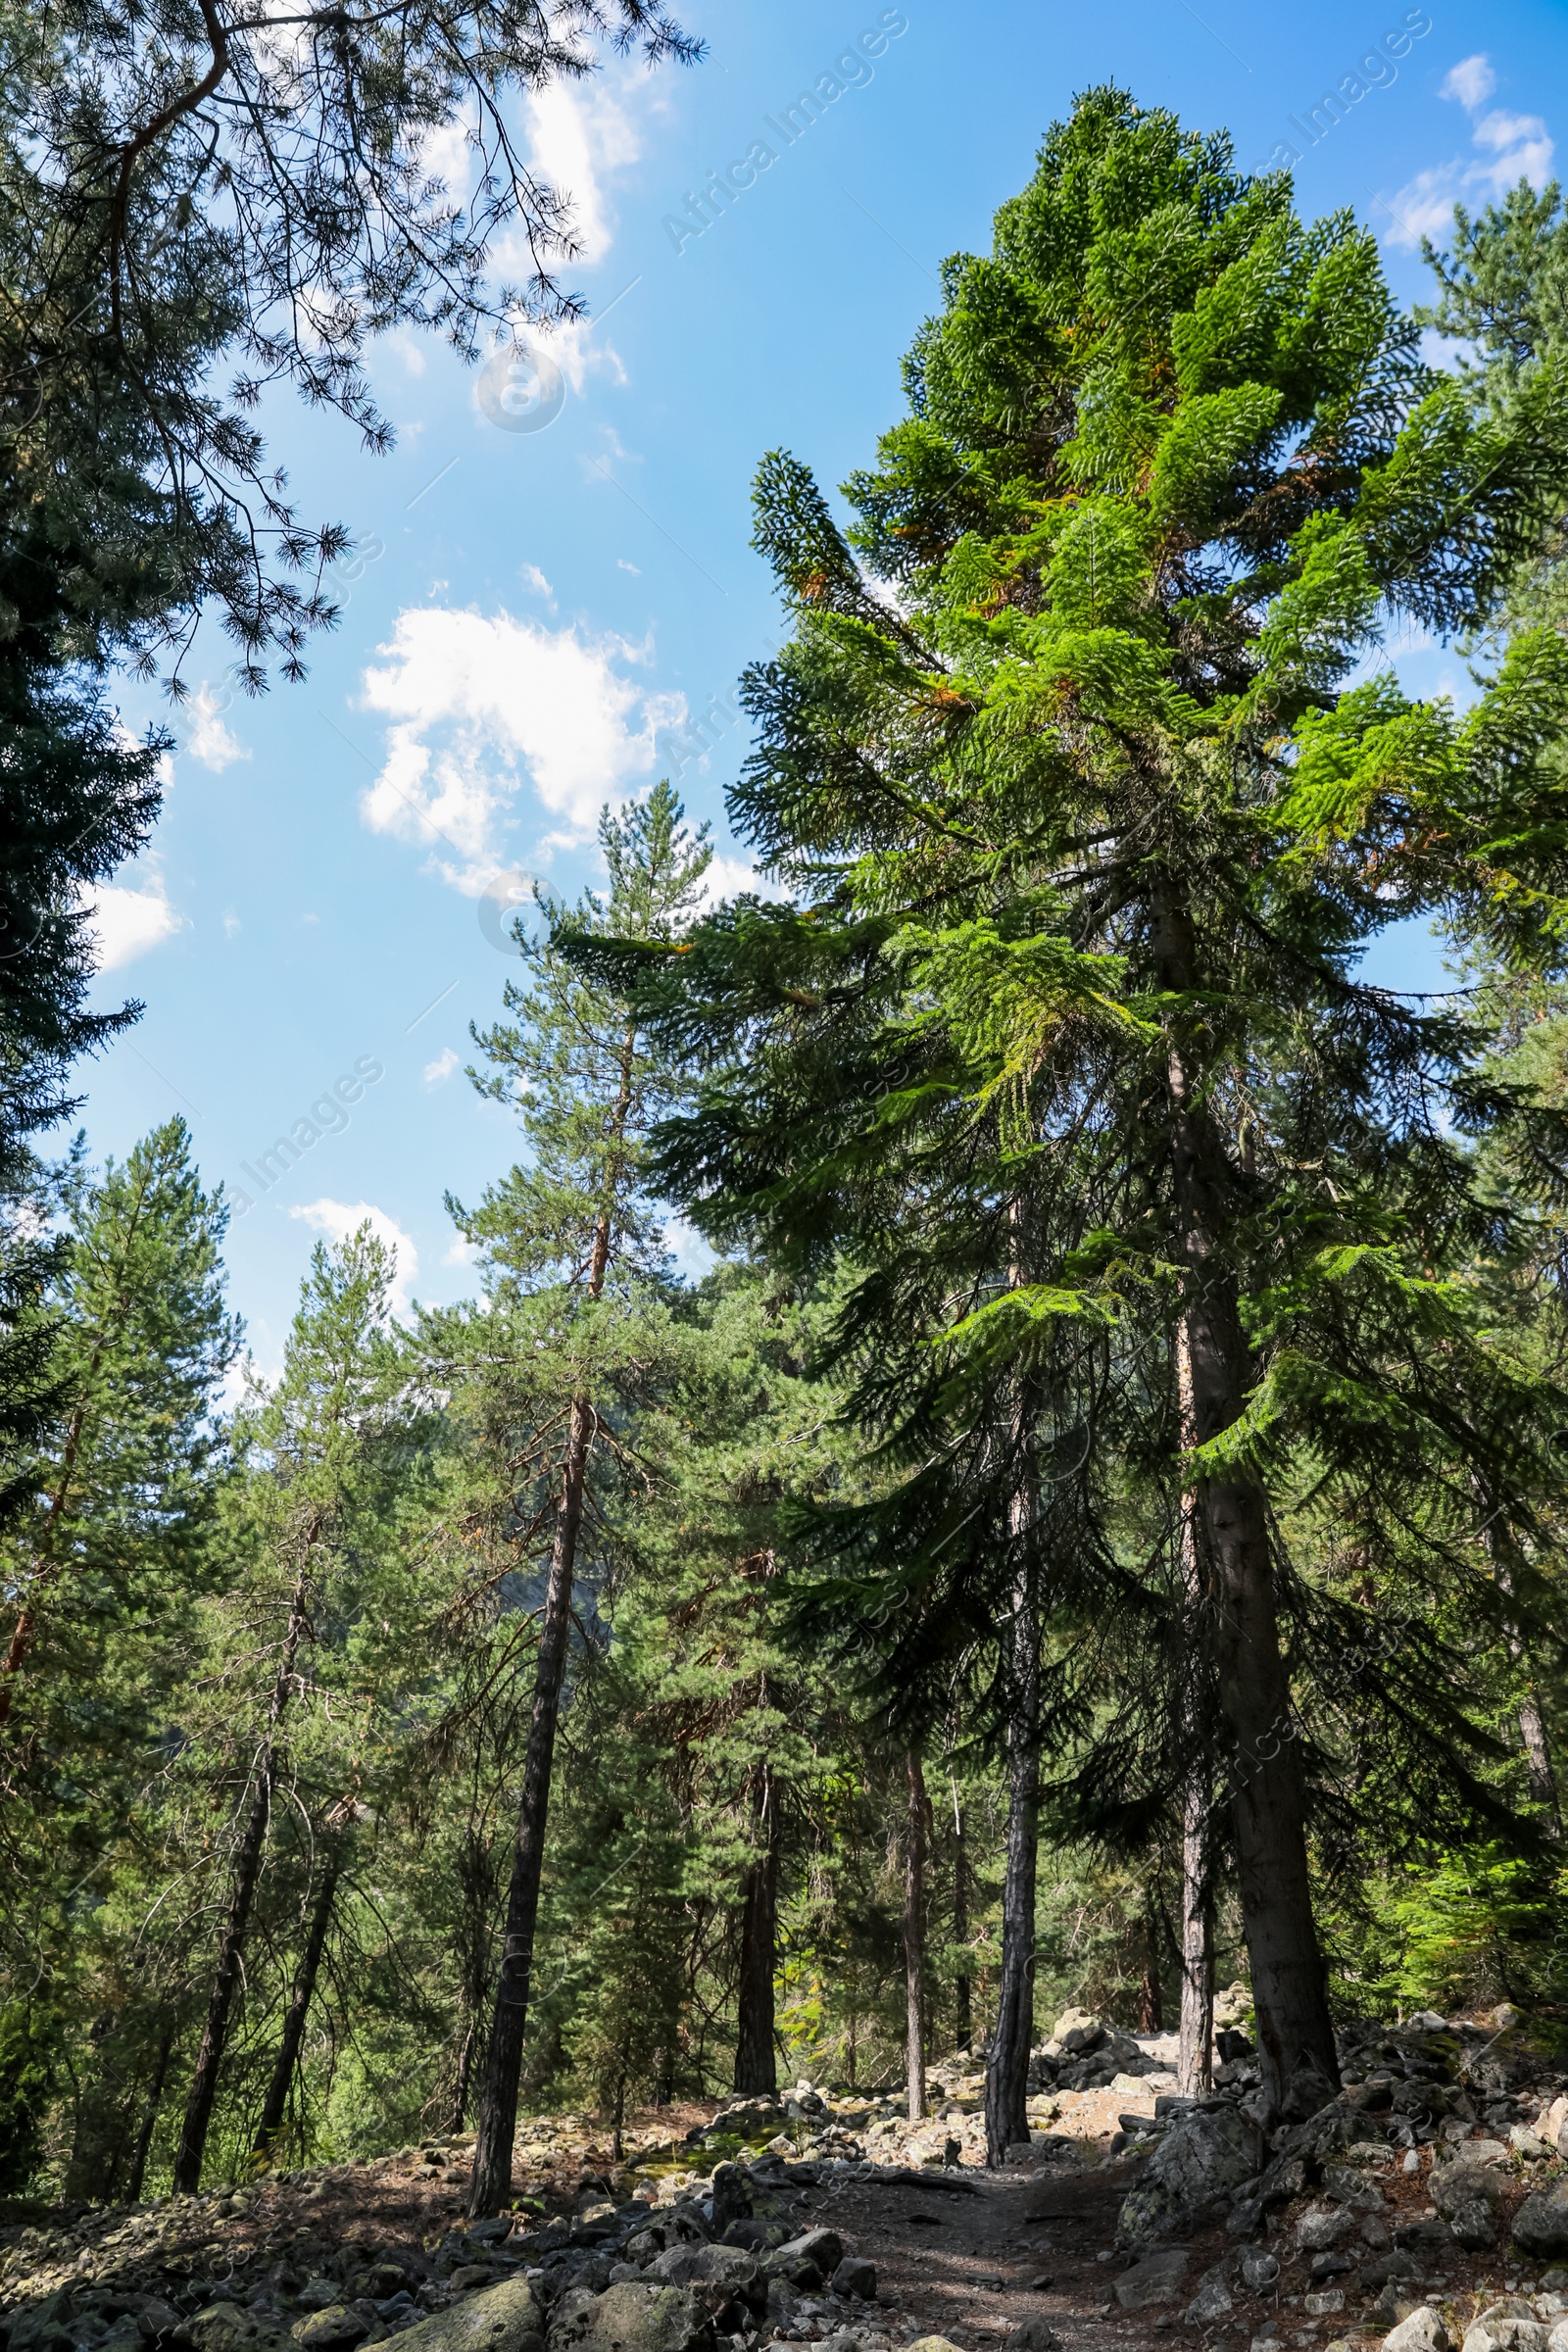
687	1248
462	1254
476	705
579	134
621	564
729	877
1512	147
532	577
129	922
207	738
443	1067
337	1219
232	923
1472	81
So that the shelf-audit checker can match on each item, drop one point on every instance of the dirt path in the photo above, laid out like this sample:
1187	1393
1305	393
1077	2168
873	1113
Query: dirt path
972	2264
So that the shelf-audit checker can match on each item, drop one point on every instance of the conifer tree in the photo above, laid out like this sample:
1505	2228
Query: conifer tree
1089	830
572	1243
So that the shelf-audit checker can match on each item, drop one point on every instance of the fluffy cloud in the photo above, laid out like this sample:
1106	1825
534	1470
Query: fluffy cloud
128	922
1511	148
578	133
337	1219
442	1067
204	734
476	706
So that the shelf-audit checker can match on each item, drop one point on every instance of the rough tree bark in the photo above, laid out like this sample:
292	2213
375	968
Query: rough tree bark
149	2116
1008	2068
242	1893
1269	1805
288	2048
962	1986
756	2056
914	1935
503	2066
1194	2065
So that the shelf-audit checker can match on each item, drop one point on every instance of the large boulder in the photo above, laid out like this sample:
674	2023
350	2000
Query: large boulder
1157	2279
1504	2330
1422	2331
736	2274
1207	2150
630	2317
499	2319
334	2330
1541	2225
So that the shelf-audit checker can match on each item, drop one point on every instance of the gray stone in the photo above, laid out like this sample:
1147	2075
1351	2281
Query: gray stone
1322	2227
731	2268
822	2249
1474	2223
856	2275
499	2319
1213	2300
334	2330
1155	2279
1422	2331
1204	2151
1498	2333
1260	2270
224	2328
1460	2184
1541	2225
317	2294
631	2319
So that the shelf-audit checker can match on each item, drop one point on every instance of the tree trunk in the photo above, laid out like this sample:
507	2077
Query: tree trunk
498	2097
149	2117
1194	2066
1150	1998
1537	1761
247	1870
962	1986
503	2065
1007	2069
288	2049
1268	1806
914	1937
755	2062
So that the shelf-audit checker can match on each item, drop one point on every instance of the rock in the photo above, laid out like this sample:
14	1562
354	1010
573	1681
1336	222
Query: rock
224	2328
1030	2336
1213	2300
1495	2333
469	2274
738	2272
1259	2269
1474	2223
931	2343
1322	2227
501	2319
732	2196
334	2330
824	2247
1205	2150
1557	2340
1327	2299
630	2319
1308	2090
1541	2225
1463	2183
316	2293
855	2276
1078	2030
1154	2279
1422	2331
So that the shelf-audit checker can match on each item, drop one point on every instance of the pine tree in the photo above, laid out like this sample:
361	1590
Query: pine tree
571	1245
1090	829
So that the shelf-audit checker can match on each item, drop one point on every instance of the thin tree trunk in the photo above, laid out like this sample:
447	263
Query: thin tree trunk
149	2119
230	1951
1007	2069
1194	2066
498	2097
1150	2000
288	2048
755	2060
1537	1761
1268	1809
914	1935
962	1988
503	2065
457	2112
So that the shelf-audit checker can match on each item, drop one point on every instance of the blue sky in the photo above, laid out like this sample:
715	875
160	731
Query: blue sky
537	616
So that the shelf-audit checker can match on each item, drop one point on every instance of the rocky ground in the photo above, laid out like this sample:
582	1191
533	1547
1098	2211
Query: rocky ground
1425	2203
